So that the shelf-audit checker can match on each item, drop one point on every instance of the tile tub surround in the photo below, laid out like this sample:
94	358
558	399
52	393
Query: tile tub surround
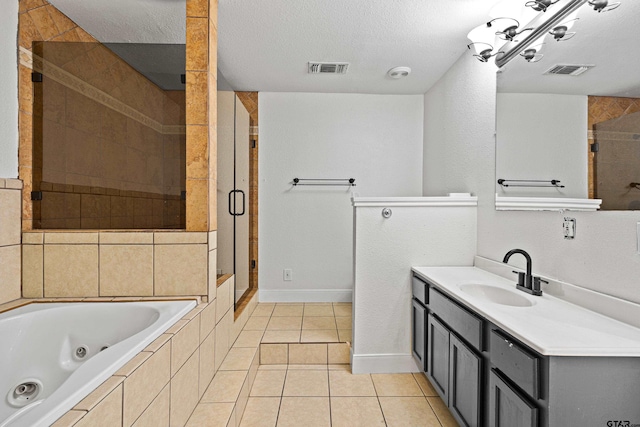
116	264
169	381
10	209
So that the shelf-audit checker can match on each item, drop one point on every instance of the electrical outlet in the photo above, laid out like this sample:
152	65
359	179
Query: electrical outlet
569	228
287	275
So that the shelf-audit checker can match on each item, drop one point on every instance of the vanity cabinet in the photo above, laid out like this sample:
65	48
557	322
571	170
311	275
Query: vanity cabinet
419	322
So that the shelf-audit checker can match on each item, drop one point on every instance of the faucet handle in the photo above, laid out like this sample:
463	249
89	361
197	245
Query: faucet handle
536	284
521	277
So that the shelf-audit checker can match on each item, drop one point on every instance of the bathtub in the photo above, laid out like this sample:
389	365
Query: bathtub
52	355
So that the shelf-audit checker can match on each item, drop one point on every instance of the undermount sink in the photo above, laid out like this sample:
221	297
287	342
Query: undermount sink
496	295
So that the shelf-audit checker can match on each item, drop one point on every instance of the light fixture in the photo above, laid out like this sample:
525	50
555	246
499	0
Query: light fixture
519	27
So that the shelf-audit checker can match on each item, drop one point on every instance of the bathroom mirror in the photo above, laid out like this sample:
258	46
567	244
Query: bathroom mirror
581	130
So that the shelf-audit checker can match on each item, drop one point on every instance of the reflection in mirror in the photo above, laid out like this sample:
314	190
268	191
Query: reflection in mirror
582	130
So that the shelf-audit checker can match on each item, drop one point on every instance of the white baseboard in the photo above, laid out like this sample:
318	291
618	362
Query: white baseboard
383	364
306	295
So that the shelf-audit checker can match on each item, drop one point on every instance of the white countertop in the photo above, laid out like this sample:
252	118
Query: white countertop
551	326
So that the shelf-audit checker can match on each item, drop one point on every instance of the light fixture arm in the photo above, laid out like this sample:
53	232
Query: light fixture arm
541	27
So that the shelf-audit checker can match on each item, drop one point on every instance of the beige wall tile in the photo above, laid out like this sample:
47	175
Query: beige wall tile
256	323
274	354
207	362
222	300
225	387
269	383
70	270
308	354
213	265
179	237
213	240
306	383
339	353
75	238
184	393
180	270
158	343
356	411
35	238
10	267
13	183
319	335
107	413
248	339
207	320
10	217
156	414
261	412
407	411
241	403
304	411
126	238
32	271
211	415
126	270
184	343
281	336
97	395
222	339
69	419
145	383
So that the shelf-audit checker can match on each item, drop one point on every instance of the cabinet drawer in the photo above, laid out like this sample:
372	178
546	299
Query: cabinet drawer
518	363
465	324
419	289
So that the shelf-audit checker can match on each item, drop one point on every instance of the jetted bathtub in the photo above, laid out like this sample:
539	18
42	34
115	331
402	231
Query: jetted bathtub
52	355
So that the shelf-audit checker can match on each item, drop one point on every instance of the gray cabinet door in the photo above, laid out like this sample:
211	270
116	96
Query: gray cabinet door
507	407
465	379
418	313
438	356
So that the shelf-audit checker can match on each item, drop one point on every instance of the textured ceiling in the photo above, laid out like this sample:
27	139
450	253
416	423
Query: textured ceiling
265	45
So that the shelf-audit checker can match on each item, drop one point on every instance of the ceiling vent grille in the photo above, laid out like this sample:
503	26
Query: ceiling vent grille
568	70
328	67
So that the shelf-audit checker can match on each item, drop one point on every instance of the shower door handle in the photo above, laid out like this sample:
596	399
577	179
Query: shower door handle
232	195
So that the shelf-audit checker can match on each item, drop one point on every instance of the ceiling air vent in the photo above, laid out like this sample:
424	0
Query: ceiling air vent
568	70
328	67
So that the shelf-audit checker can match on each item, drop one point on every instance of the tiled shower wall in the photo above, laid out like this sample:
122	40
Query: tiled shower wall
9	239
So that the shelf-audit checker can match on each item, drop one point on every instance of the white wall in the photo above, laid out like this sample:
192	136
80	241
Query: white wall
542	136
376	139
385	250
9	90
603	256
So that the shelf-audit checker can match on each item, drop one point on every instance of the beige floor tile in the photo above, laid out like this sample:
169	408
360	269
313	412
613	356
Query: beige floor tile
285	323
211	415
319	323
339	367
261	412
283	309
319	335
272	367
281	336
308	354
318	310
345	335
306	383
343	383
256	323
304	412
424	384
341	310
344	322
396	385
338	353
263	309
238	359
248	339
307	367
225	387
442	412
356	412
268	383
274	354
408	412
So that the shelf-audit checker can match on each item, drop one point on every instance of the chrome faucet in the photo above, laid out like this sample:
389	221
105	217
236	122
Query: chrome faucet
526	282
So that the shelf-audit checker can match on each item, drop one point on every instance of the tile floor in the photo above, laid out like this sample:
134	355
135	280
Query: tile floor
330	396
307	395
